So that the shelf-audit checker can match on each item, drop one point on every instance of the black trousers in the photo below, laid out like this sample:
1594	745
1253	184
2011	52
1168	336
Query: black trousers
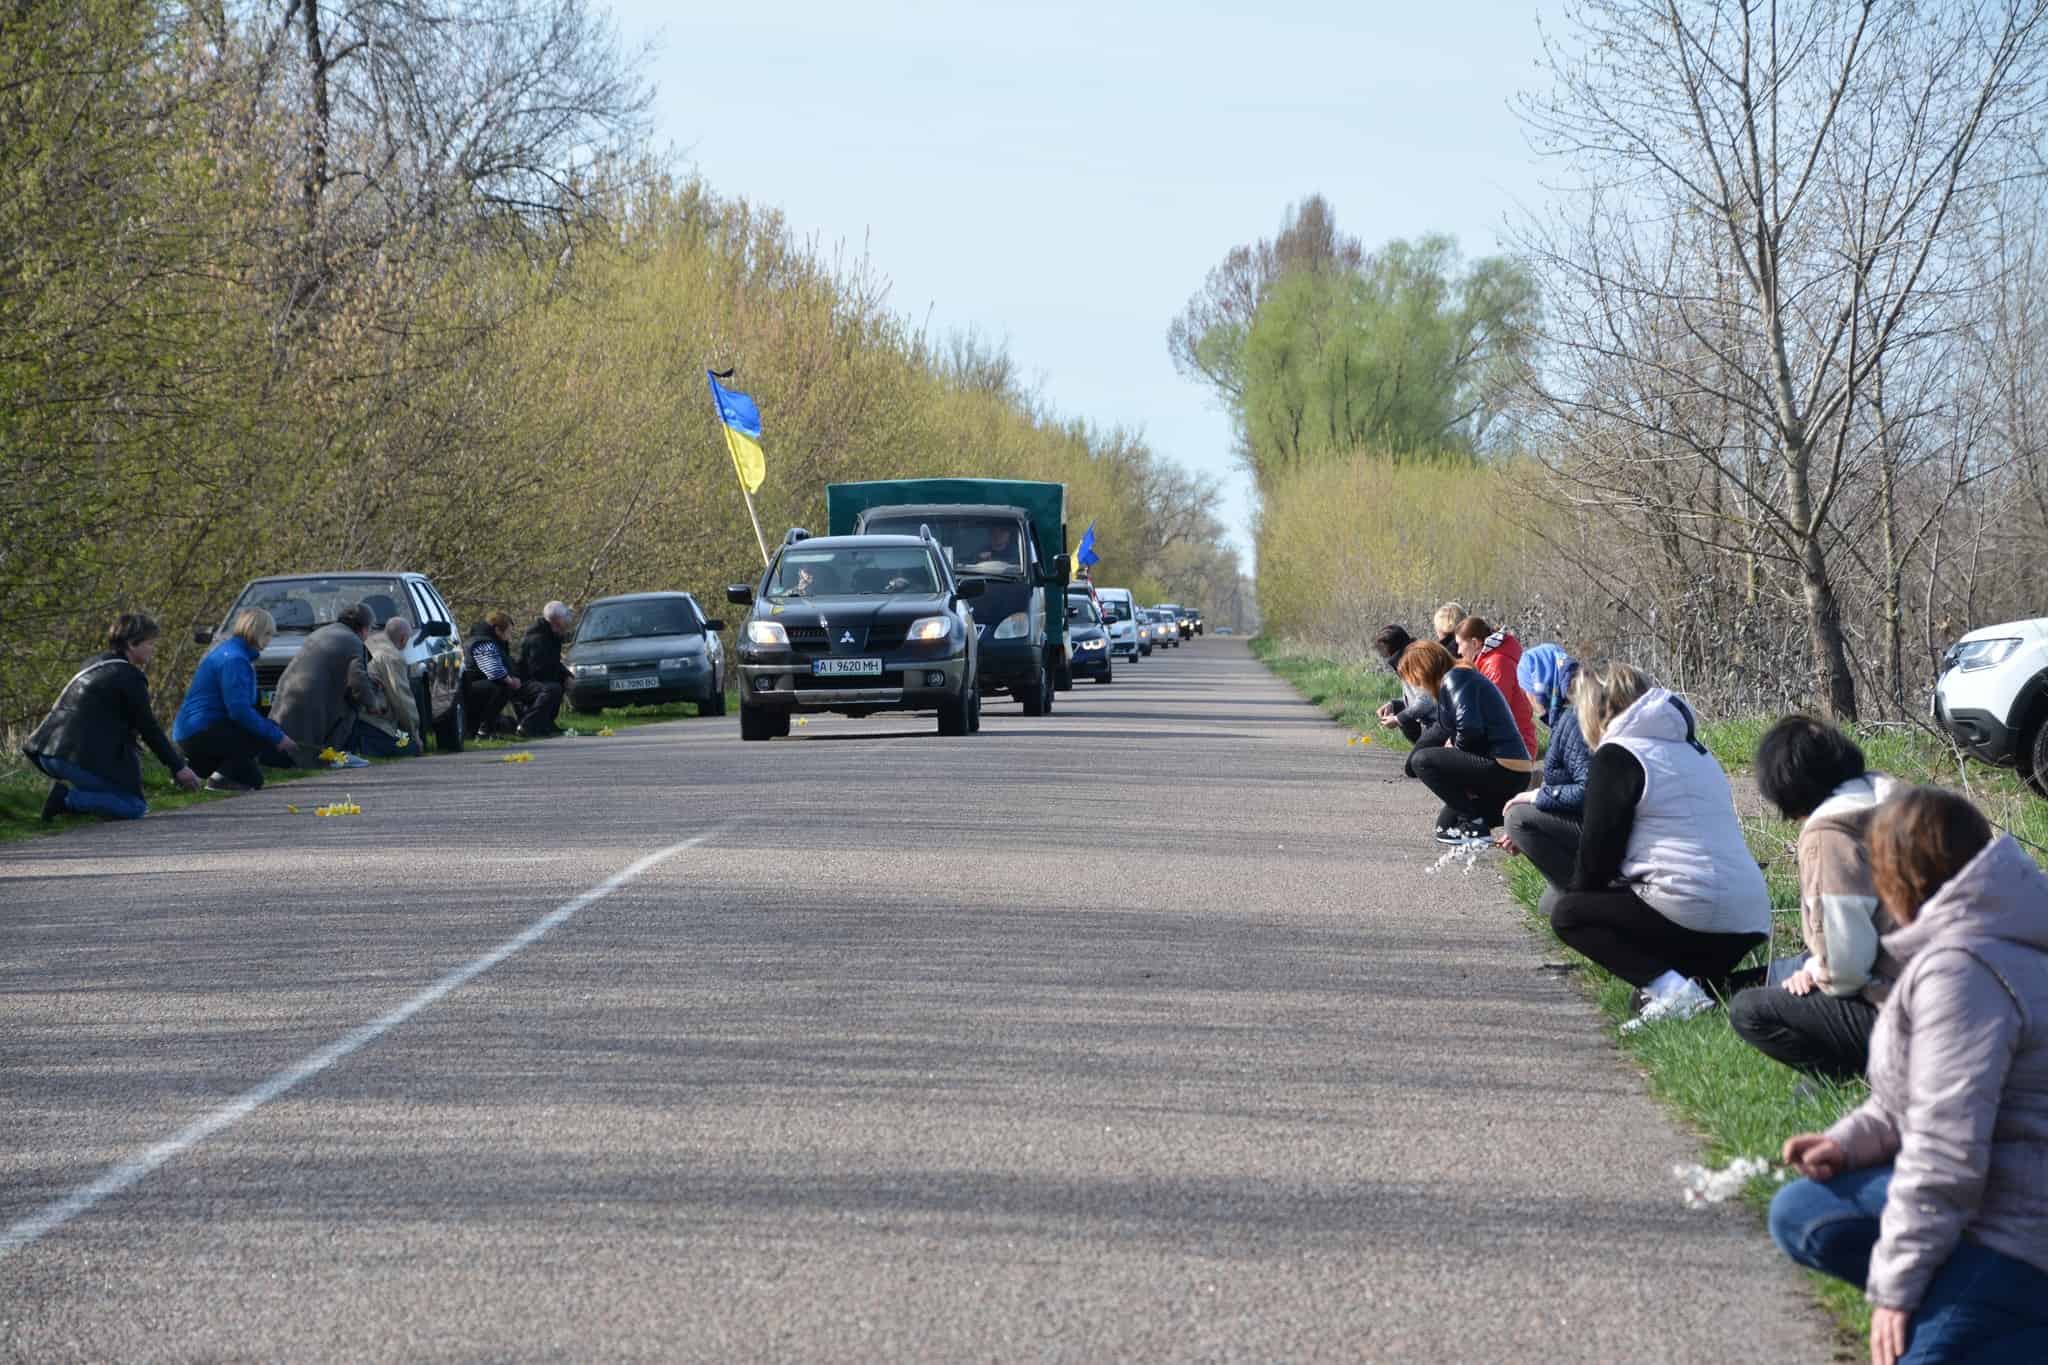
1820	1034
1471	787
1619	930
226	748
485	702
1551	842
538	704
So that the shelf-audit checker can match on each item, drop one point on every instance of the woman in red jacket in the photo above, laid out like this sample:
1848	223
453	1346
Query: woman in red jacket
1495	653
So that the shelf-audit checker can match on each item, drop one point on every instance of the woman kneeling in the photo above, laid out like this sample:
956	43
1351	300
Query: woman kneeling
1471	756
1933	1194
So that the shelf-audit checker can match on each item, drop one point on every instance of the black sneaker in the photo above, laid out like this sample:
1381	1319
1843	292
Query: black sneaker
1638	998
1450	834
1476	828
53	804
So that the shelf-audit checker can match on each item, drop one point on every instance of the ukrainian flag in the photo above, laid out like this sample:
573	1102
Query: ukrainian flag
742	432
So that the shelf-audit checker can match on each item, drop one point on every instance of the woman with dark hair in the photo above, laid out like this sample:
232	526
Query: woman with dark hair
1818	1020
1416	709
86	745
1665	894
1472	756
1933	1193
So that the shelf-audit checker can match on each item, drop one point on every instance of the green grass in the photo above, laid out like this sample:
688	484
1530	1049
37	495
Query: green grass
1351	693
22	788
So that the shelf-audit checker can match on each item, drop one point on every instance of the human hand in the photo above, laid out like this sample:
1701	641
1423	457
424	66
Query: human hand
511	682
1887	1335
287	745
1815	1156
1801	982
1385	709
1506	845
186	778
1520	798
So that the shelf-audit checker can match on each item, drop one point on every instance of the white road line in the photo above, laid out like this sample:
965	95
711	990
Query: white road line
119	1178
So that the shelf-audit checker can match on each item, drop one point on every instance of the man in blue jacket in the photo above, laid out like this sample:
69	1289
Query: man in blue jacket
218	724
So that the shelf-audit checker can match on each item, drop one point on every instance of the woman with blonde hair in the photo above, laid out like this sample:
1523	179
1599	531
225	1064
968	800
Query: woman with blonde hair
1666	894
218	724
1471	755
1933	1193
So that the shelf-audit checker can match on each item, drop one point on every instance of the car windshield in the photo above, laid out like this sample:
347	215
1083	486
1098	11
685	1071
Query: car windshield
630	620
1083	612
986	547
854	572
299	605
1113	610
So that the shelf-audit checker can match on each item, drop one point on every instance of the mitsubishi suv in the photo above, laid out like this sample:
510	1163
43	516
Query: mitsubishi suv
1992	697
856	625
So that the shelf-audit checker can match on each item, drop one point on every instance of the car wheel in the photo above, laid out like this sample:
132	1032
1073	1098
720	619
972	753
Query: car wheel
757	723
1107	674
448	729
2037	751
1037	698
956	714
1063	680
714	705
974	712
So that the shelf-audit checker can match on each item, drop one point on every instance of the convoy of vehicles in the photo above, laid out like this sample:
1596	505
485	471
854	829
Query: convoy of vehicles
1992	697
857	624
646	648
302	603
1089	639
1010	534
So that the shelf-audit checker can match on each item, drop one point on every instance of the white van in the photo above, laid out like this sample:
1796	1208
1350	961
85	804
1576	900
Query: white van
1120	619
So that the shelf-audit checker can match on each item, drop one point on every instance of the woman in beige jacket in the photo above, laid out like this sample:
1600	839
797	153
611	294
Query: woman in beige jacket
1933	1194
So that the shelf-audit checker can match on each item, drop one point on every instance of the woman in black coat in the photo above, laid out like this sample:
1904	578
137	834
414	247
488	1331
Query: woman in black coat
86	745
1472	756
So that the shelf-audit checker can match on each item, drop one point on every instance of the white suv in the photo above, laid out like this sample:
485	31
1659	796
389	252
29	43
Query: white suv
1992	697
1119	618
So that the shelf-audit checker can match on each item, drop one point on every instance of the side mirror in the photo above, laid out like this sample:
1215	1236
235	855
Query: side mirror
970	587
202	635
713	624
437	630
1062	568
741	594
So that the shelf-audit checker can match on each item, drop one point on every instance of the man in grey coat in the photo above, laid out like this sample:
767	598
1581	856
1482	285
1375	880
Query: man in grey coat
326	688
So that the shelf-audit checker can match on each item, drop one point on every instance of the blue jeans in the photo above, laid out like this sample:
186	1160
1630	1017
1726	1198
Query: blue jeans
1980	1306
371	742
92	794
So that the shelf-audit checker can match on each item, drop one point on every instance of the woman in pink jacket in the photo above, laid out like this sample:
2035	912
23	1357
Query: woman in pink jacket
1933	1195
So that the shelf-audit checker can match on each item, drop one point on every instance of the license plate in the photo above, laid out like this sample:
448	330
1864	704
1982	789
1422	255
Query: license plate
634	684
846	668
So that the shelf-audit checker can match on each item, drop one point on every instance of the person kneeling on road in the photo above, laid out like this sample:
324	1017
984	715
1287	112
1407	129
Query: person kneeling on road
1472	756
1930	1194
1665	894
1543	825
1416	710
488	683
1818	1020
327	687
379	736
540	664
86	745
217	724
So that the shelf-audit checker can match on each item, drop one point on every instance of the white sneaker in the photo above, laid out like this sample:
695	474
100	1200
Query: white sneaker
1682	1002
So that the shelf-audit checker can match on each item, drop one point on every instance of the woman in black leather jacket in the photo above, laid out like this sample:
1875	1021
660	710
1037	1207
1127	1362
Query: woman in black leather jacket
1473	757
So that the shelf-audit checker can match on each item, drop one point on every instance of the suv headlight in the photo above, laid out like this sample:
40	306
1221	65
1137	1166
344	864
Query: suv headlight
926	629
590	670
1015	626
1983	654
768	633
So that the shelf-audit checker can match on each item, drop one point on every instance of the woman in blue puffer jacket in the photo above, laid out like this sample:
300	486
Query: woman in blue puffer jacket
1472	757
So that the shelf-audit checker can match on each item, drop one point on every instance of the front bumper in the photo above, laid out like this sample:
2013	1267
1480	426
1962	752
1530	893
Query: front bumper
1009	663
1981	734
786	683
1089	662
695	681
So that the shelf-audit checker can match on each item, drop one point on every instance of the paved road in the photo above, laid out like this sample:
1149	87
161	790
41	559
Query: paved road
1137	1032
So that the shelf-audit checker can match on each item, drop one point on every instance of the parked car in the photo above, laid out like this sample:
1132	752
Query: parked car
302	603
1120	619
647	648
1090	639
855	625
1992	697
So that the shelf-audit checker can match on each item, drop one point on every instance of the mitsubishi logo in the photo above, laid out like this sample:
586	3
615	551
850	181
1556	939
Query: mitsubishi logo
845	637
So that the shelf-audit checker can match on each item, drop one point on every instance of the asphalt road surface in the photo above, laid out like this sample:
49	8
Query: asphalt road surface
1135	1032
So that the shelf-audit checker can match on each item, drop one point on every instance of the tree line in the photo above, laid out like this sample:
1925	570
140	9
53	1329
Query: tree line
1759	383
302	285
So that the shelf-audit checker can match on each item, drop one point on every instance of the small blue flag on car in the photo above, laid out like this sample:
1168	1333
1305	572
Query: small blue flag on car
1086	556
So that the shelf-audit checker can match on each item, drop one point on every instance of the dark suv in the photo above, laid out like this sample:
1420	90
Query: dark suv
302	603
855	625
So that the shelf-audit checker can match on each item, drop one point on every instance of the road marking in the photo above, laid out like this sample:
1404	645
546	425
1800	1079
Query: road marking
119	1178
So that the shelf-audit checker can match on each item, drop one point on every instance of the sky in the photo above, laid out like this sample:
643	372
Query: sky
1061	177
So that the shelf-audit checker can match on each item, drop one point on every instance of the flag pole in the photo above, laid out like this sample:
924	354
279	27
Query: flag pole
734	456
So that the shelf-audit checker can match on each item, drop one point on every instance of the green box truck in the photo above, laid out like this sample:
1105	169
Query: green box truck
1011	533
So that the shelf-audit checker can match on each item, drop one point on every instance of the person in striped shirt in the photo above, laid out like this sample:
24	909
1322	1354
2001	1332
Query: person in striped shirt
488	683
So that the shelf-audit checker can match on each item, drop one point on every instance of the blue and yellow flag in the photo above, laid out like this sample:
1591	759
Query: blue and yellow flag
1086	556
742	422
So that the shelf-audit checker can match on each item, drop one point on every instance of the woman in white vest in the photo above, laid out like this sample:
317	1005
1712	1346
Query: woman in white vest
1666	894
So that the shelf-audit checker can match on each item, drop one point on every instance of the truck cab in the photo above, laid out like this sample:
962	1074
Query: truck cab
1011	535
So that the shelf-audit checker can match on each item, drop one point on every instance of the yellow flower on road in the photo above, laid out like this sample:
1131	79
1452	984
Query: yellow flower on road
293	809
605	733
517	758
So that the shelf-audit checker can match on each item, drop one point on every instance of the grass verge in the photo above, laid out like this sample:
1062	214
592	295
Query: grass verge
23	788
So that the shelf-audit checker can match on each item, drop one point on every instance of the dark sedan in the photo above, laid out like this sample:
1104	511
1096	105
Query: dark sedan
645	648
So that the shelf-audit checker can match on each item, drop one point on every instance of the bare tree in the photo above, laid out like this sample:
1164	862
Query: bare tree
1771	209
